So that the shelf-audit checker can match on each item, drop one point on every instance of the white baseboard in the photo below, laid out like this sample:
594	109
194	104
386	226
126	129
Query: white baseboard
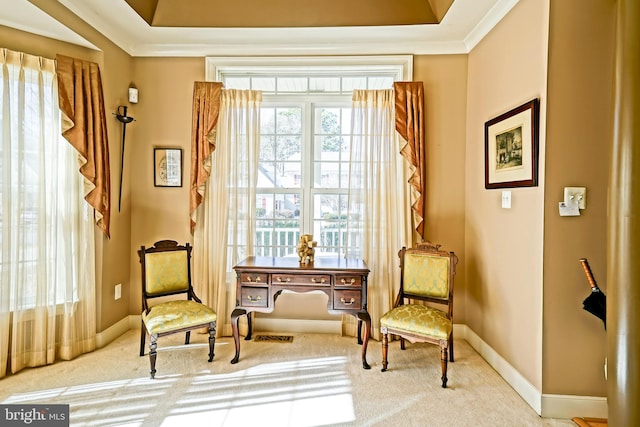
567	406
269	324
545	405
114	331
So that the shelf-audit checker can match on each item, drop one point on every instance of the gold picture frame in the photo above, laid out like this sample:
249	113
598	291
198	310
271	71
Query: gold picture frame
167	167
511	148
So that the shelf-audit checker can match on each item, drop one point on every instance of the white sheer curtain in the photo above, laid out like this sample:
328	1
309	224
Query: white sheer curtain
379	205
225	226
47	265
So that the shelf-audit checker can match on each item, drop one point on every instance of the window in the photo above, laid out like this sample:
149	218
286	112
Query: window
305	124
40	189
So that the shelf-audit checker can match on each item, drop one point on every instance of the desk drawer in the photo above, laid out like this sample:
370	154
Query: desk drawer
254	297
301	279
254	278
344	280
347	299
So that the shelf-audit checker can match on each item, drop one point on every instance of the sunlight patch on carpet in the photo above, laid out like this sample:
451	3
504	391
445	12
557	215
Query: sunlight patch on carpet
274	338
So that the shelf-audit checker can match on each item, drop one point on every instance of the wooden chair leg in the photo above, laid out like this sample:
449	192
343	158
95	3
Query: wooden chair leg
402	345
153	354
143	334
385	349
451	347
443	361
212	340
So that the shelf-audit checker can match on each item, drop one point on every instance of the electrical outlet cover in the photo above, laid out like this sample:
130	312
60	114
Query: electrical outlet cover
576	195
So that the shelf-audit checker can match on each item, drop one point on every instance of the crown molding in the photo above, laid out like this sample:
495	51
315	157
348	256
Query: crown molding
464	25
487	23
25	16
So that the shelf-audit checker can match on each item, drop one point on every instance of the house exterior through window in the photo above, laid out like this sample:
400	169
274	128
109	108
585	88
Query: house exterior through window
305	125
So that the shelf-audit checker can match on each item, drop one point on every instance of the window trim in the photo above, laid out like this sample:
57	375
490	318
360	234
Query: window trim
401	65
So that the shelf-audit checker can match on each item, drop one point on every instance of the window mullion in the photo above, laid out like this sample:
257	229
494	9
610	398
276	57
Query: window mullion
307	168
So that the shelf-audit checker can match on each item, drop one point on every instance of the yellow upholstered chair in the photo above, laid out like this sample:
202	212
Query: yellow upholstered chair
166	274
423	310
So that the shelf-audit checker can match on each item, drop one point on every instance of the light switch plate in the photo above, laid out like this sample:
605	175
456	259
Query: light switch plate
133	95
506	199
576	195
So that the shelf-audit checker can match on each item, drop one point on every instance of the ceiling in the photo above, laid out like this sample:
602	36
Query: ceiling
167	28
269	14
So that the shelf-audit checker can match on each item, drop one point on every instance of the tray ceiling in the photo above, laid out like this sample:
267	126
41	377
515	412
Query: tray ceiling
258	27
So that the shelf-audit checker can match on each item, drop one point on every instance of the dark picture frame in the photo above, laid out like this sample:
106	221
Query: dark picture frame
511	147
167	167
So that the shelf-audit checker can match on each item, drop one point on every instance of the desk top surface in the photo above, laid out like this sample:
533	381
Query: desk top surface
329	263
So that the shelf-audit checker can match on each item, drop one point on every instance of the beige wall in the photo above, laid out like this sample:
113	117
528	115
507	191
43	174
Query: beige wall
512	261
524	284
445	85
504	247
163	119
581	52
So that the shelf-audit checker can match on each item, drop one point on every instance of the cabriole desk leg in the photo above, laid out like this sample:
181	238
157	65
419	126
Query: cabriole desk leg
235	315
363	316
249	326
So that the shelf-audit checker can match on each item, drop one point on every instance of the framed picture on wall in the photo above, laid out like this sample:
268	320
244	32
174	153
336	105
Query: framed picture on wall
167	167
511	148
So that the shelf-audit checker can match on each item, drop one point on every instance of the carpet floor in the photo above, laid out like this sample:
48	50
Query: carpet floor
314	380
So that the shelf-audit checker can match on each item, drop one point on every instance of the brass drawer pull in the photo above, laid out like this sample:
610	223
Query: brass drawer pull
254	299
249	279
313	280
351	301
288	279
351	282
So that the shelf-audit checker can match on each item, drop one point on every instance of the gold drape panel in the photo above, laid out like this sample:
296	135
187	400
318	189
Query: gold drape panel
409	104
84	126
205	112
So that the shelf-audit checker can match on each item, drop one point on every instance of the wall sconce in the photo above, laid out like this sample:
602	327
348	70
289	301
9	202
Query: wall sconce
122	117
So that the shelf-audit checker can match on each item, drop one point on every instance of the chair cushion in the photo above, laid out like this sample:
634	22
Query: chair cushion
418	319
166	272
173	315
426	275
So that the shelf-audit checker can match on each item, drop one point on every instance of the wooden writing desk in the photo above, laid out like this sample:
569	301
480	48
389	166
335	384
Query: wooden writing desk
260	280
